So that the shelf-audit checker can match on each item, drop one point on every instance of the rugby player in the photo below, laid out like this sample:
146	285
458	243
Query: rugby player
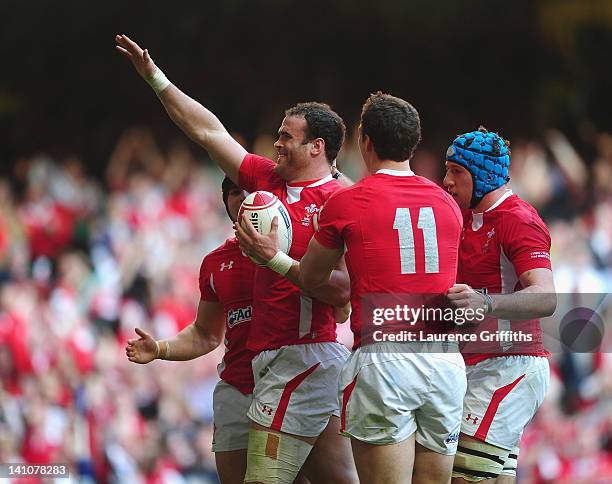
504	268
293	331
401	403
225	307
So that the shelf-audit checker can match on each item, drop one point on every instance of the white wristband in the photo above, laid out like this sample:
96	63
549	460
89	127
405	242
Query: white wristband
280	263
159	81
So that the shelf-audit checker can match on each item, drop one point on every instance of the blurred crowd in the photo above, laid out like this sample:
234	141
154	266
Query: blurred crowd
83	261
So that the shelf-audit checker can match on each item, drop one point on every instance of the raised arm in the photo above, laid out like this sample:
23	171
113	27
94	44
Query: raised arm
197	122
199	338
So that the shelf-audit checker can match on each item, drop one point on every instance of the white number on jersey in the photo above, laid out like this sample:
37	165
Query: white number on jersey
427	223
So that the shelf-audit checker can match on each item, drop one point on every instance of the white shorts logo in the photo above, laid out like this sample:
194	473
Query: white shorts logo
267	410
452	438
470	418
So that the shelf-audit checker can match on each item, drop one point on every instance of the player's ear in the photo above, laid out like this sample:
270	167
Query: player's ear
367	144
318	147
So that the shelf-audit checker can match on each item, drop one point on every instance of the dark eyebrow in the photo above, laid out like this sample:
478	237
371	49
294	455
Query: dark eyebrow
282	132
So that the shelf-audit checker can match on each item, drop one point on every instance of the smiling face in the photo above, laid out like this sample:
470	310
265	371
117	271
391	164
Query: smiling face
458	182
292	147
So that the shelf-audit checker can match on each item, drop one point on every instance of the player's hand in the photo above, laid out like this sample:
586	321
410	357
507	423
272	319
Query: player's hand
463	296
254	244
342	314
140	58
141	350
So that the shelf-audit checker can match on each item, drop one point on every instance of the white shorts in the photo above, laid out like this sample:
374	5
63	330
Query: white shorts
503	395
388	392
231	424
295	387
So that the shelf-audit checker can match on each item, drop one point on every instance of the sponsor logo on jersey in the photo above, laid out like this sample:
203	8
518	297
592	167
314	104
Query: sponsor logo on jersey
227	266
452	438
239	315
267	410
311	210
539	254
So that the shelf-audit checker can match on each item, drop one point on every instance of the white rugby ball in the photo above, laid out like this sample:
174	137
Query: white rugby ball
260	208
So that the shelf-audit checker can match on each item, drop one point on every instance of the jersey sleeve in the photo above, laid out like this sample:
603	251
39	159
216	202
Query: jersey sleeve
255	173
207	291
526	242
332	222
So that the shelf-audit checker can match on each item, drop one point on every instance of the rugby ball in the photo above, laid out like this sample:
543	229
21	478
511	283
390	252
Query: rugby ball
260	208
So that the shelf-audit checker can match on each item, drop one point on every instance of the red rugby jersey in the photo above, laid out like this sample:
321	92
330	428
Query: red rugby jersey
226	276
401	233
282	314
497	246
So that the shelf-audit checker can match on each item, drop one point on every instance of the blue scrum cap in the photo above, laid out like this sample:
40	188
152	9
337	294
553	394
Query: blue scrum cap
486	156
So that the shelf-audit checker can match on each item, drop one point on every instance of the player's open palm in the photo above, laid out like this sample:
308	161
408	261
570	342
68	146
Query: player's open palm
141	350
140	58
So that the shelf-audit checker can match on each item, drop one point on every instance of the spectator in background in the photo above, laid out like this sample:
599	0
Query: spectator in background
55	383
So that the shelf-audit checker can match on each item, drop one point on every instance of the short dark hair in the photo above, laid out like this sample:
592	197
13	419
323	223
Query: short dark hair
227	185
321	122
392	124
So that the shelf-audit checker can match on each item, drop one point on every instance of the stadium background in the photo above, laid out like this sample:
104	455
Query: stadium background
106	209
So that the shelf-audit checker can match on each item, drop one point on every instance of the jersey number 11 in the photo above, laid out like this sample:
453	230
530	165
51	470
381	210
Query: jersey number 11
427	223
